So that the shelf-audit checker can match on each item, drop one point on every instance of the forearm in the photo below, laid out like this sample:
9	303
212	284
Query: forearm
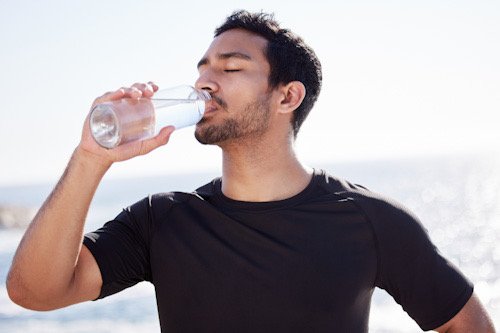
44	264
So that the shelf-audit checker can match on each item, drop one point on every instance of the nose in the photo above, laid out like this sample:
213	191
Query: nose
206	82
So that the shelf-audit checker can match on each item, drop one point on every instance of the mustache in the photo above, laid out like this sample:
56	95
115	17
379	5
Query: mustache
219	101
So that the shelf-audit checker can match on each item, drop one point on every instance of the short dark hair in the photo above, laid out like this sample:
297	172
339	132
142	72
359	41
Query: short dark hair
289	57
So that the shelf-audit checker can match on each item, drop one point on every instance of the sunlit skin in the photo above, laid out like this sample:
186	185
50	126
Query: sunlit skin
236	73
235	70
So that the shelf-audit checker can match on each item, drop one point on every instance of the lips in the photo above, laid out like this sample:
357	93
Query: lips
215	104
210	108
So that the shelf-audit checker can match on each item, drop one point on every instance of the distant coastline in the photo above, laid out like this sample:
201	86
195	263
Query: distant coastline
15	216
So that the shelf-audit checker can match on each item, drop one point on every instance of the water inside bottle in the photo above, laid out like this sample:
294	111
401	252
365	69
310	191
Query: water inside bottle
178	113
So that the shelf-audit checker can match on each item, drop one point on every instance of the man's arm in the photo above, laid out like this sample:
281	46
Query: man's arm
51	269
472	318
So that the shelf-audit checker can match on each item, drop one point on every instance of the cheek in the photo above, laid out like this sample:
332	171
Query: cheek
248	88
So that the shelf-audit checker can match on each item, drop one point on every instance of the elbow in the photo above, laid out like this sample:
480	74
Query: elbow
15	292
13	288
23	297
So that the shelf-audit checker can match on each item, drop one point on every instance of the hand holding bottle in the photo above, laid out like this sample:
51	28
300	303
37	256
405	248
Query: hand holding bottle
89	146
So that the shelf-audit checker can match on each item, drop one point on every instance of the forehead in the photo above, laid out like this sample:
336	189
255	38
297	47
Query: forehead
240	41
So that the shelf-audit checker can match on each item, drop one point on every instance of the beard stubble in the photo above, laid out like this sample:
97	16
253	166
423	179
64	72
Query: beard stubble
253	120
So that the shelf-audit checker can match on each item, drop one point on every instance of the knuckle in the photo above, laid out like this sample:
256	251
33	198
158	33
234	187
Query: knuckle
139	85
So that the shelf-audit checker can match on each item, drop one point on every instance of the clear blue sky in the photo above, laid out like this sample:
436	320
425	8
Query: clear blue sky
400	77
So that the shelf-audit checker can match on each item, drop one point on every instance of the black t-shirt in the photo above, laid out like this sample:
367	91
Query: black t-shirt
308	263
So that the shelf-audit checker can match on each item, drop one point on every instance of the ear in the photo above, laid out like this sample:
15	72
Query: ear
292	95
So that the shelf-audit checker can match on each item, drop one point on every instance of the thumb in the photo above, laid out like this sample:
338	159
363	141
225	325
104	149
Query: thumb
158	140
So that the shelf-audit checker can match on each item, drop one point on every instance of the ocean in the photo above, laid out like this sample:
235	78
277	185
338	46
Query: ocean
456	197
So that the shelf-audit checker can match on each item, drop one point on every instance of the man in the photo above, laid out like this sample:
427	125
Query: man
271	246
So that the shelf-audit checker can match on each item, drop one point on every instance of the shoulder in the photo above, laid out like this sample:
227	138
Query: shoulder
392	223
158	200
410	267
162	202
158	204
165	200
375	206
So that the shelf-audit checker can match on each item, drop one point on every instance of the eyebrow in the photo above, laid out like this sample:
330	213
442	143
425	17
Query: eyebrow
224	56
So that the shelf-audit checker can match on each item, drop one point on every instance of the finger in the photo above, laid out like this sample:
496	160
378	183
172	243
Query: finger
110	96
154	85
124	92
159	140
114	94
145	88
132	92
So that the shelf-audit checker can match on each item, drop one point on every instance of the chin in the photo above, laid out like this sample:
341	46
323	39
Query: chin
198	134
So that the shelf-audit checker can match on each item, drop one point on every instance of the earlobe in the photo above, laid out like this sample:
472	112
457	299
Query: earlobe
293	95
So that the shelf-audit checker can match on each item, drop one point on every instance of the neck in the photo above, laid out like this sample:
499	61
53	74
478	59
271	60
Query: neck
263	171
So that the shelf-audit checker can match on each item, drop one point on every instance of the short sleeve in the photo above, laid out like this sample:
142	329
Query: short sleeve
121	248
412	270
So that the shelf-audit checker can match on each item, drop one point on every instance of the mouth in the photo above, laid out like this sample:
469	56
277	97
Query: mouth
210	108
215	104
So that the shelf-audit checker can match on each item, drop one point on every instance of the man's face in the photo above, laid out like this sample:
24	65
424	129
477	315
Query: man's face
235	71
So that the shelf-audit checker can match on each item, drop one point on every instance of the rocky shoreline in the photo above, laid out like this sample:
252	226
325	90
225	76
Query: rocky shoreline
15	216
